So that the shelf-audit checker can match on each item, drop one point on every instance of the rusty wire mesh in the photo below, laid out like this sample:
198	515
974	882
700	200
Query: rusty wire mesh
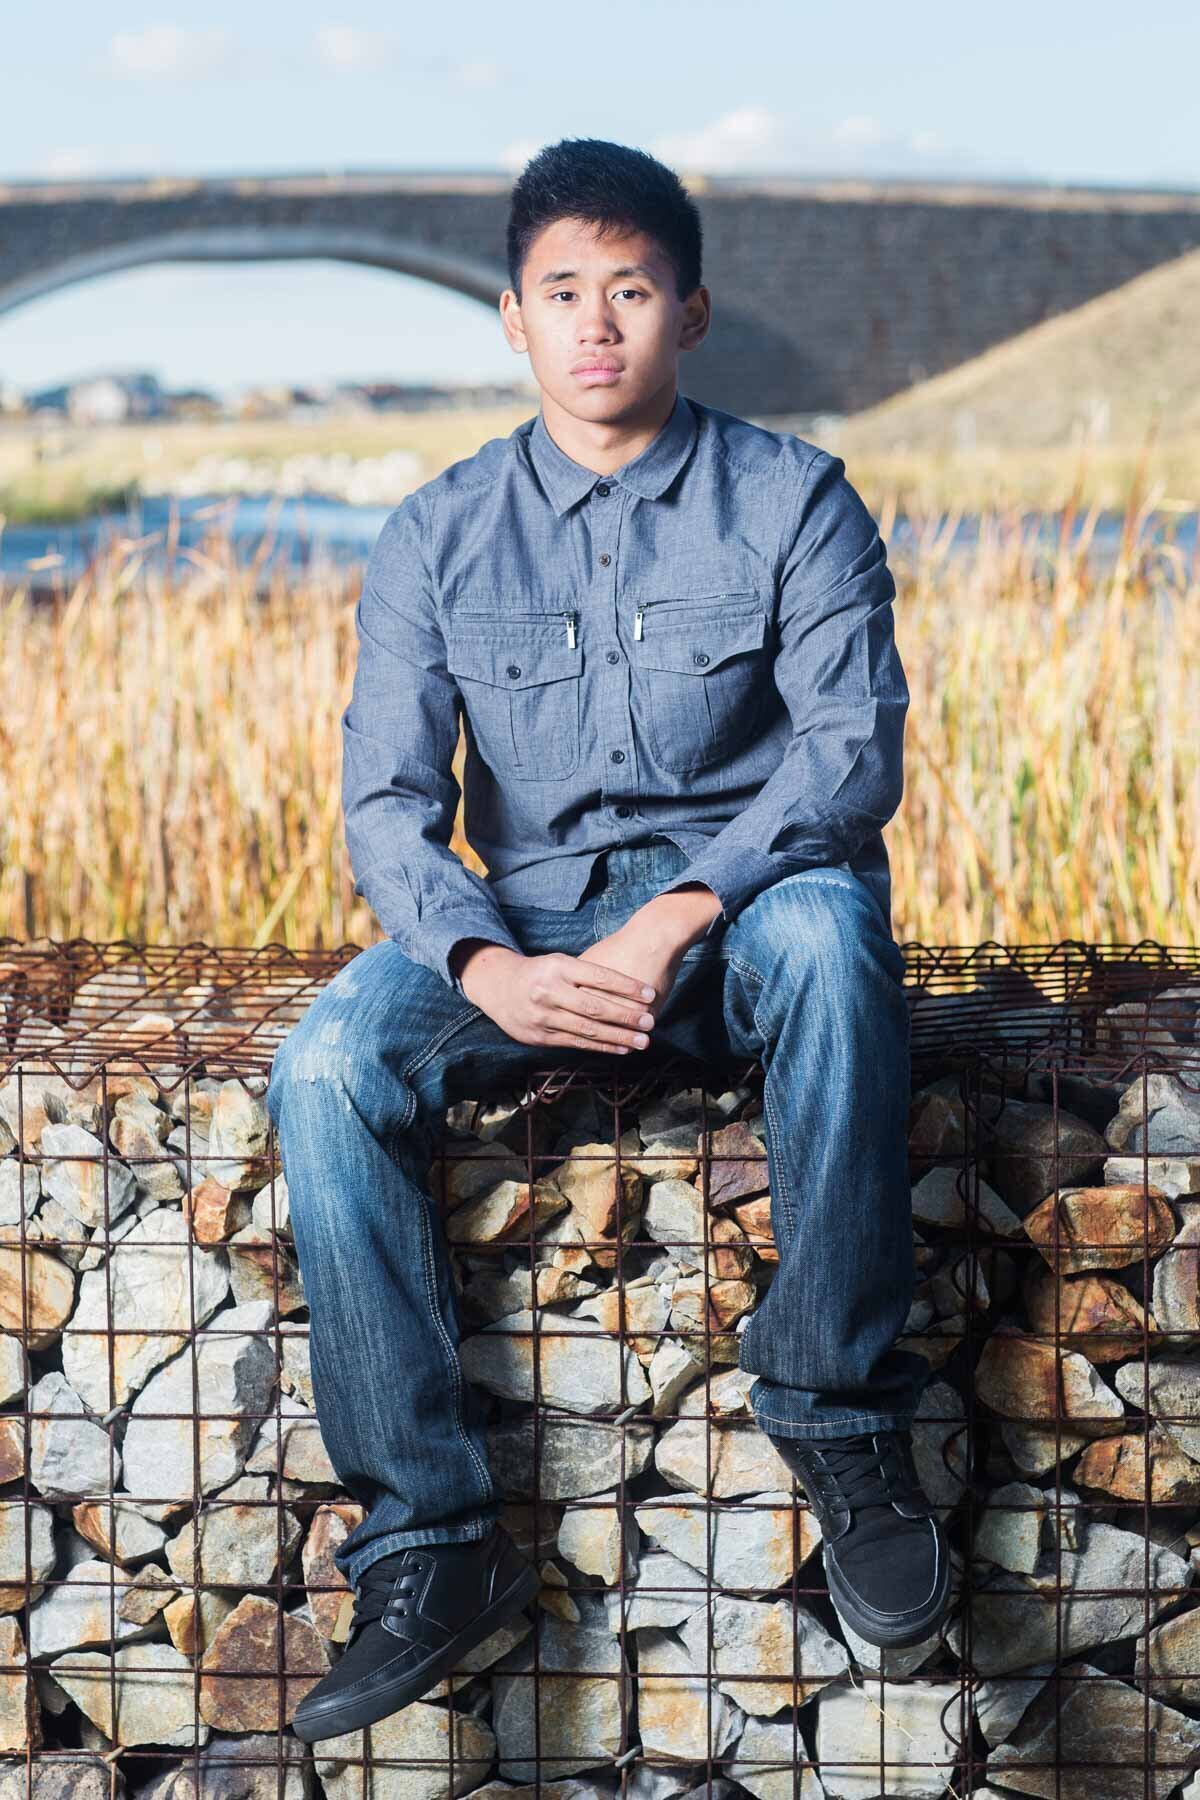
1055	1159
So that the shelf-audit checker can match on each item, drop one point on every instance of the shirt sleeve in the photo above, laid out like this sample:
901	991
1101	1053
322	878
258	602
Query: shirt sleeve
399	735
837	666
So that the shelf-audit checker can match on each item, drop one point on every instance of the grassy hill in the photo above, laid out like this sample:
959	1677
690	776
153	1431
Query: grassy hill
1106	369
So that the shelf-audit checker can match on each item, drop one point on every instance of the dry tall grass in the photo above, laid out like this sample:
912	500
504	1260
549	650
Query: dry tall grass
170	749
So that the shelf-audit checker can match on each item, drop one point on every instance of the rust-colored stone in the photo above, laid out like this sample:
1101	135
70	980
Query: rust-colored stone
1101	1227
1097	1315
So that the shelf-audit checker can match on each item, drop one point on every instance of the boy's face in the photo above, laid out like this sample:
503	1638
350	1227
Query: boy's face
590	300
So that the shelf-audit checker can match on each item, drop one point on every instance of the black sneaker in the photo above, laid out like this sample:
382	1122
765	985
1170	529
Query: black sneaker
885	1553
416	1612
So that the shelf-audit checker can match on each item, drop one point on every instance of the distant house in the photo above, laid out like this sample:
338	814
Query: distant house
195	403
103	399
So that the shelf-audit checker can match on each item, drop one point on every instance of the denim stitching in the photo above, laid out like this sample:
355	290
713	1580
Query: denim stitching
863	1419
420	1057
745	968
416	1061
773	1123
455	1367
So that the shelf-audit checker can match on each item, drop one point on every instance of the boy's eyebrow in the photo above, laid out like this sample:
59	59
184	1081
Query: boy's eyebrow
627	269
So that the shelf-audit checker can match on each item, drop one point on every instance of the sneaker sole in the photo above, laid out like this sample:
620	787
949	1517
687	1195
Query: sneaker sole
390	1696
902	1636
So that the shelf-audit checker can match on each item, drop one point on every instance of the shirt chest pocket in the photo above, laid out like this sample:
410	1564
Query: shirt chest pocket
520	688
703	678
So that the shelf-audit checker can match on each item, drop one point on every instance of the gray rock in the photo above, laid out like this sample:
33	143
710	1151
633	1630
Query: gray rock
1174	1398
764	1742
238	1768
1176	1301
68	1452
764	1654
235	1372
679	1712
1014	1617
751	1545
910	1729
153	1279
580	1368
154	1690
573	1458
1100	1723
1001	1705
82	1776
1173	1176
1164	1119
77	1182
20	1190
580	1714
81	1609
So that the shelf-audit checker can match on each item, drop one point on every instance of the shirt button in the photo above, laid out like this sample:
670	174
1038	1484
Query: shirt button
602	487
605	558
701	657
612	656
514	669
616	756
623	812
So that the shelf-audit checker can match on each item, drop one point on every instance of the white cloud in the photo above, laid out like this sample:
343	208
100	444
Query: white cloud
347	48
352	50
165	51
515	155
754	139
748	134
476	75
71	162
859	131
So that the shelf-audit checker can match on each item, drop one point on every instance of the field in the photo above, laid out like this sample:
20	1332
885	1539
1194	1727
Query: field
170	748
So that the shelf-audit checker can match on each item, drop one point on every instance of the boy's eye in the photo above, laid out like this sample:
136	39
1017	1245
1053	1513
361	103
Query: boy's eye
558	291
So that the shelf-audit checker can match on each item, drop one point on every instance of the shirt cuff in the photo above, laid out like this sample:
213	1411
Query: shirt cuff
735	877
431	942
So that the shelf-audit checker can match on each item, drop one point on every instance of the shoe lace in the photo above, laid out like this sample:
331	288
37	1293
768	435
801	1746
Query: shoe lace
375	1590
867	1475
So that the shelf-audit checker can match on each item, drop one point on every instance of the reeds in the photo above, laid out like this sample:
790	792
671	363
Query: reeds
170	748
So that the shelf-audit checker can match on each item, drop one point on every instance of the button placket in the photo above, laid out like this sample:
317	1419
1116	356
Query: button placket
616	719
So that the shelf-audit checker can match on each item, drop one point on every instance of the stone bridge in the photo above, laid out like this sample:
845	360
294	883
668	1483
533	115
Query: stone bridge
828	295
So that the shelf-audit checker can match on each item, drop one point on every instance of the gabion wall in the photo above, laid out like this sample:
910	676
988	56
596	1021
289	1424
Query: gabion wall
168	1514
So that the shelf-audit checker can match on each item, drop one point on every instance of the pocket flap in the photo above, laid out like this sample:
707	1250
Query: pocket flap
534	659
697	647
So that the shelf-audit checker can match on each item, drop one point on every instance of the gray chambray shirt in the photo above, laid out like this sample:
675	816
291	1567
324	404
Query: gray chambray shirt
699	647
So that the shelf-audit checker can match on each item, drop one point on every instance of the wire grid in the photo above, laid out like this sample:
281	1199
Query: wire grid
1000	1028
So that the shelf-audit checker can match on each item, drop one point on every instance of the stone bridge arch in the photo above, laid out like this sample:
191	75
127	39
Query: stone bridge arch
473	276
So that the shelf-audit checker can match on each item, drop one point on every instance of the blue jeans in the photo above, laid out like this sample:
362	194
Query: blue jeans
807	979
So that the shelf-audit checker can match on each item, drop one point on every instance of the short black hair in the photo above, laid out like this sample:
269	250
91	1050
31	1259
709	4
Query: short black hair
617	188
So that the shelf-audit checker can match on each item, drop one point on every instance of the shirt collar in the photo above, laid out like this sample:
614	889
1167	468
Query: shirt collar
649	473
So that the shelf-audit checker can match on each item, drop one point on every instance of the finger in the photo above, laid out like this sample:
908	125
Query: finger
593	1033
614	981
595	1003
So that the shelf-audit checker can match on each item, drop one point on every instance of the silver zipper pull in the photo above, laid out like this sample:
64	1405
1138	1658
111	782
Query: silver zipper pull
571	617
637	622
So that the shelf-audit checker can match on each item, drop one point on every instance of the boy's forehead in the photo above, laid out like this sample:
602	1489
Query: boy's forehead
576	244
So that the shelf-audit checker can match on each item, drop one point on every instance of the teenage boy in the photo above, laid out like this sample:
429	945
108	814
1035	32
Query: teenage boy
670	632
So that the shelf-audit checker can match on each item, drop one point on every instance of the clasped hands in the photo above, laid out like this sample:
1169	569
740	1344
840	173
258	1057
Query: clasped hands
606	998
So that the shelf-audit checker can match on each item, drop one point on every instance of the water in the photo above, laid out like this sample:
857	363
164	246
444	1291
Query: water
305	534
301	535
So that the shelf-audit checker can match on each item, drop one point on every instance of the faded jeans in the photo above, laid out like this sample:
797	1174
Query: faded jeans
806	979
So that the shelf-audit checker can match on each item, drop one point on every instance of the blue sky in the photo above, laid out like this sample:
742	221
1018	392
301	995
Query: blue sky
1067	92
